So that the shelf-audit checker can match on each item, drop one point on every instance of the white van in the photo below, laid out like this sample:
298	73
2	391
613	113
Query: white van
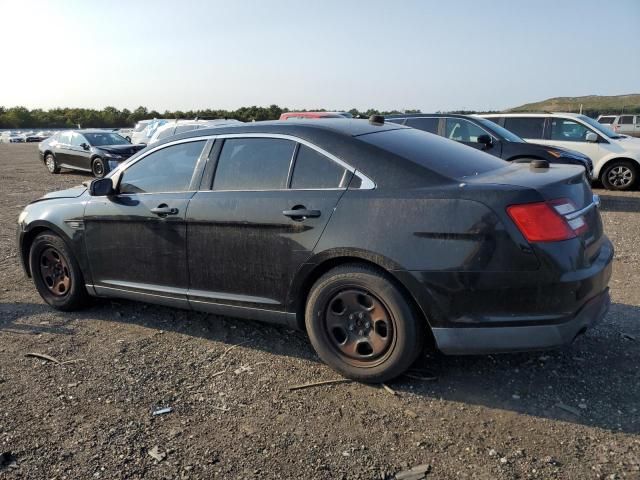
616	158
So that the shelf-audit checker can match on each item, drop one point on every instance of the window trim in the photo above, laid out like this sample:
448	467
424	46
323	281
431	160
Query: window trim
196	176
366	182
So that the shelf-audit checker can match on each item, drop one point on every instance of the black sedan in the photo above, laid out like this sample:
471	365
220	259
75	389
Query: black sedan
372	237
95	151
485	135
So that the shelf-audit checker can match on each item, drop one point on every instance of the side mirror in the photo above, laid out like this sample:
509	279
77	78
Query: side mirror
85	146
485	140
101	187
591	137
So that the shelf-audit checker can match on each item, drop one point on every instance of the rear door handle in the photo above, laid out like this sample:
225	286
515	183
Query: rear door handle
301	213
163	210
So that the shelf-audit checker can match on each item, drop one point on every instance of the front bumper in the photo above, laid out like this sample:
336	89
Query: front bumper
500	339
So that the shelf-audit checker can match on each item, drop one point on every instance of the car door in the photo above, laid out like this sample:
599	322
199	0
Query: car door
570	134
259	220
464	131
78	156
62	149
136	239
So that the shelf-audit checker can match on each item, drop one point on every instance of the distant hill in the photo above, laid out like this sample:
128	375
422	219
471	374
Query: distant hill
591	104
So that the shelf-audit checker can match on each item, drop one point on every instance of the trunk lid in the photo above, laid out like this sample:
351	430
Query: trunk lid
564	187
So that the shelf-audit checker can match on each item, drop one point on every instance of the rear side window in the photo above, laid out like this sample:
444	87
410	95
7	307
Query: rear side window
166	170
254	164
427	124
525	127
313	170
65	137
626	119
449	159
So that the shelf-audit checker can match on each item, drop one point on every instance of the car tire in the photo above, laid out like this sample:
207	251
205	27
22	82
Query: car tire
51	163
620	175
98	167
56	273
362	325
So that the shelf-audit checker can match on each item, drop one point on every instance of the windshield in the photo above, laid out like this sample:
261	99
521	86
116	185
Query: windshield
599	127
106	138
508	136
140	126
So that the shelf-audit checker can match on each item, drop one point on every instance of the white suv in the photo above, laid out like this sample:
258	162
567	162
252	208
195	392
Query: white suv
616	158
181	126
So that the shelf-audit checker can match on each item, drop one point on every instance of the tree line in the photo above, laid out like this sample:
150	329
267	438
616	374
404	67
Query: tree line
111	117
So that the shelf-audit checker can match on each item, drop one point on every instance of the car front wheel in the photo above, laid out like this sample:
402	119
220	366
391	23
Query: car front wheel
362	325
620	175
56	273
98	168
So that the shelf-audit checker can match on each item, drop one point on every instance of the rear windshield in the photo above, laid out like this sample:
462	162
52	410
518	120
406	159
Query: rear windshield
445	157
606	120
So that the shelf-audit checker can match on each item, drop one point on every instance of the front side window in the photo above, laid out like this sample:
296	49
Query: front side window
253	164
65	137
565	130
525	127
626	119
462	130
314	171
427	124
166	170
77	140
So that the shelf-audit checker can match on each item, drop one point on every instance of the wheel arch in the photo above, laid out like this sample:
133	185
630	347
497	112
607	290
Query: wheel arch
33	231
603	165
309	274
47	152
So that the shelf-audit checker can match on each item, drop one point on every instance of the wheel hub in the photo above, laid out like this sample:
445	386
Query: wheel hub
358	325
54	271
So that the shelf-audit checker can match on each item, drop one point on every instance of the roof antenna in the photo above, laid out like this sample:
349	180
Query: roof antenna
376	120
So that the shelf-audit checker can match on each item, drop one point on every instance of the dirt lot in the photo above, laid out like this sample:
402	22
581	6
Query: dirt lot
572	413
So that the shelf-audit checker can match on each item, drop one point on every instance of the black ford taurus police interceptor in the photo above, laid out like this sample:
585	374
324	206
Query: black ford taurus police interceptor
95	151
371	236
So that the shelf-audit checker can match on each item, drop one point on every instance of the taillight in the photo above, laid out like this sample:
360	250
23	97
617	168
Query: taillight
550	221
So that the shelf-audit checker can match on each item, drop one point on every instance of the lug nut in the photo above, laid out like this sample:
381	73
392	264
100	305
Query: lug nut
360	315
367	325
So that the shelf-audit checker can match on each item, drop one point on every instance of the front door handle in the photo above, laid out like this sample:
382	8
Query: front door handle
163	210
301	213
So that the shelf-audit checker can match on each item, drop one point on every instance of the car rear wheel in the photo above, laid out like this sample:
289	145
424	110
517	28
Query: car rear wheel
51	164
56	273
620	175
98	168
362	325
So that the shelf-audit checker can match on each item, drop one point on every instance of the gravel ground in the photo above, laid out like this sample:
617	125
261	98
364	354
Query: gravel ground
570	413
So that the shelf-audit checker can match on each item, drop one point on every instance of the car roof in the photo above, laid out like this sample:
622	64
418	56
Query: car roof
304	128
533	114
420	115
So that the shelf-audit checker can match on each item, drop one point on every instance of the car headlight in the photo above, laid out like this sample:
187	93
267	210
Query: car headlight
113	155
22	217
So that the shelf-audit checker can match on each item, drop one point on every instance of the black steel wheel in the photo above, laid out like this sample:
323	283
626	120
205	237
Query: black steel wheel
56	273
98	168
51	164
620	175
361	324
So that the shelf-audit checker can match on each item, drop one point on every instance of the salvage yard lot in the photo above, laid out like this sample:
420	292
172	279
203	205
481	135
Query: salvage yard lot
570	413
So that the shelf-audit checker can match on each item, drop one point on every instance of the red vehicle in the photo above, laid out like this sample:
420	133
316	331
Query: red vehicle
288	115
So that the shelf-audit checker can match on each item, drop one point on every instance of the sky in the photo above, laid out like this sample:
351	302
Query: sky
333	54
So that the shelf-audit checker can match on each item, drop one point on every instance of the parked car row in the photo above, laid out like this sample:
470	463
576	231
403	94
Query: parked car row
370	236
22	137
616	157
624	124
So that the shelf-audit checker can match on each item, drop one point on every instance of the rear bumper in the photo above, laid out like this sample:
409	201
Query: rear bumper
481	340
